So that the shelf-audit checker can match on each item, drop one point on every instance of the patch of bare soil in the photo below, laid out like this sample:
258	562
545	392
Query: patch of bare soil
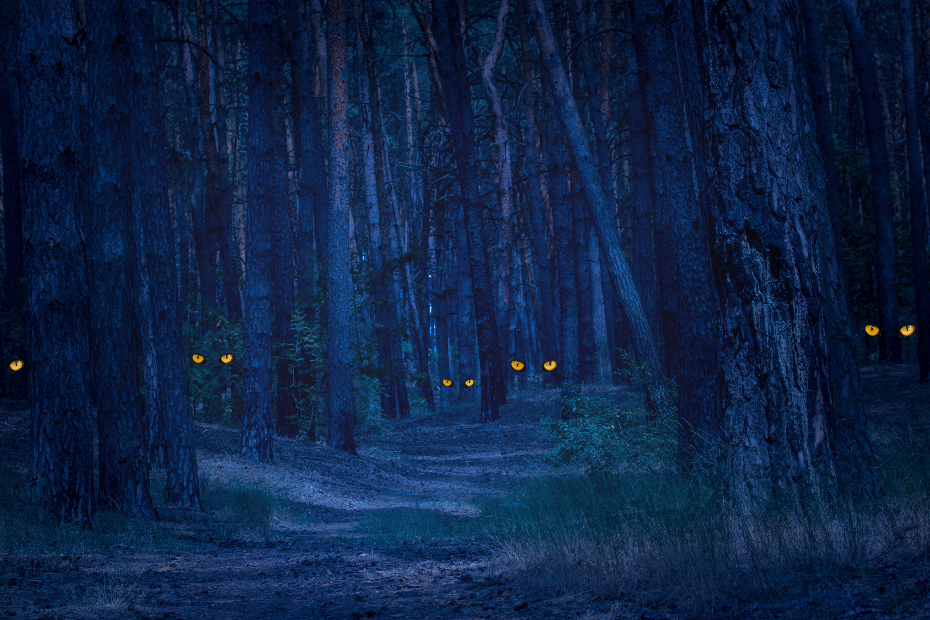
321	566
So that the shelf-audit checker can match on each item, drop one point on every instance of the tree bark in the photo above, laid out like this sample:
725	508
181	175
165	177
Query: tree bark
793	416
687	295
124	469
565	265
915	183
339	304
605	225
266	161
447	30
51	76
882	206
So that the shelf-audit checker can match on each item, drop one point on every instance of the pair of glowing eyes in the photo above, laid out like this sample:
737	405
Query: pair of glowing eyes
468	382
906	330
520	366
198	359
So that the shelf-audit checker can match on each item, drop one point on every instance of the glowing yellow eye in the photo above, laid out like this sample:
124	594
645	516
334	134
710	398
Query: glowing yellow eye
447	382
227	358
198	358
907	330
549	366
16	365
469	382
871	330
517	365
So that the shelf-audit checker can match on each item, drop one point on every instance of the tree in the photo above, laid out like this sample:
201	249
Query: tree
339	304
620	275
164	371
51	76
124	469
265	191
882	205
915	184
454	79
687	296
793	416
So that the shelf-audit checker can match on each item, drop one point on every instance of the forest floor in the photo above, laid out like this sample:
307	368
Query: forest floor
321	554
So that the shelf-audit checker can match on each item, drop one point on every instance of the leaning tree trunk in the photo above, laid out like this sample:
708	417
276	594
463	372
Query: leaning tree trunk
265	190
164	370
606	226
447	31
51	76
882	204
124	468
687	295
339	303
916	191
793	415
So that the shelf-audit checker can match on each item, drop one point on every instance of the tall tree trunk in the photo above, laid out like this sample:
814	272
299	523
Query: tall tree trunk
810	11
124	469
446	27
605	225
164	361
915	183
266	162
793	415
565	265
339	304
687	295
882	206
51	76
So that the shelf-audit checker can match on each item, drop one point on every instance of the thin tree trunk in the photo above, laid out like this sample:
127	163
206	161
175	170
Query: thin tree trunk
266	162
51	76
447	30
124	469
605	225
882	205
565	265
915	182
339	305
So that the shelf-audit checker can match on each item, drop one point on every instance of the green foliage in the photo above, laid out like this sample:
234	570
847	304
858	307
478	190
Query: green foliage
306	362
215	388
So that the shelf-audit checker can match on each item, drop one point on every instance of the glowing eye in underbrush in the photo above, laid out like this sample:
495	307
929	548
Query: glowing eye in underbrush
871	330
16	365
447	382
549	366
198	358
906	330
227	358
517	365
469	382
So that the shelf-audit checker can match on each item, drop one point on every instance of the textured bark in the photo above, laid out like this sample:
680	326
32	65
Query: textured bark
452	70
882	205
687	296
915	183
320	89
820	99
339	304
265	190
164	361
51	75
123	467
793	416
643	338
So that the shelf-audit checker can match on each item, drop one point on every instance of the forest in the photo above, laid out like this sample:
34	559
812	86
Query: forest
315	226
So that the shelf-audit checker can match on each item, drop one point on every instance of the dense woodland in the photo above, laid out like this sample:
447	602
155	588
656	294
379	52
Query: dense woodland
375	206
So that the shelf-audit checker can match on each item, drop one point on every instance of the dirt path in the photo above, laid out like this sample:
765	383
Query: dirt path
321	565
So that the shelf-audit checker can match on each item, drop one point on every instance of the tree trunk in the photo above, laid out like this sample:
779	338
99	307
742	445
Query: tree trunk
687	296
51	75
915	183
164	361
124	469
446	28
888	320
266	162
339	303
810	11
793	415
605	225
